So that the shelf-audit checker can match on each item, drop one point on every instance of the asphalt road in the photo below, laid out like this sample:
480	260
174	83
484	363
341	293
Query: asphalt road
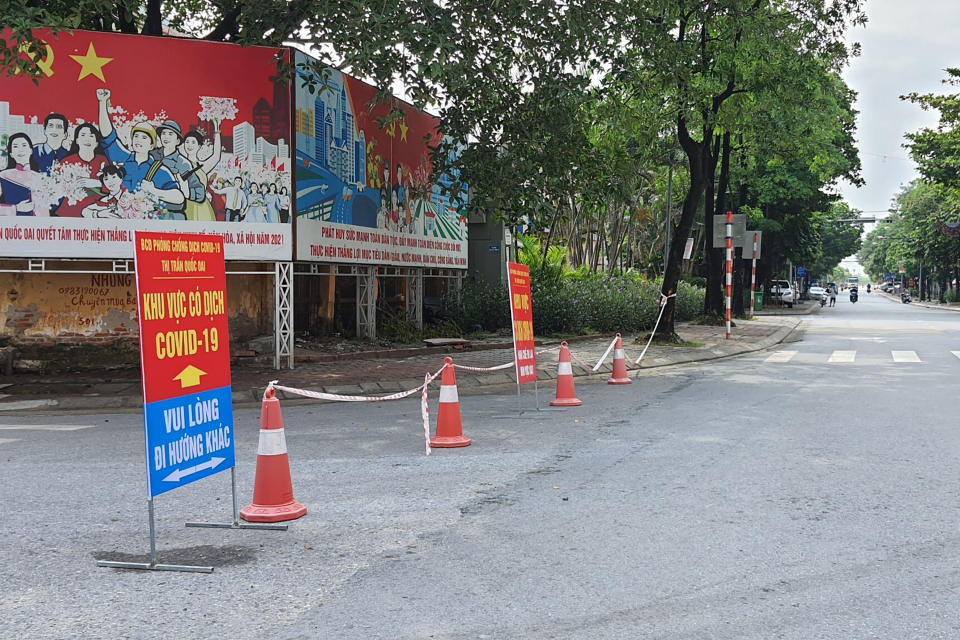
798	493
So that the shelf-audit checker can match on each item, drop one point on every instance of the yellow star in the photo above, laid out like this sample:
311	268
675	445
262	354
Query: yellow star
91	65
392	129
403	130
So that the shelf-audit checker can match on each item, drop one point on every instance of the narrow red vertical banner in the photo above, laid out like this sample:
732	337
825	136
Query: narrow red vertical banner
521	313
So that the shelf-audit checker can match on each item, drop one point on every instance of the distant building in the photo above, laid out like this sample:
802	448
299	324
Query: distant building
244	139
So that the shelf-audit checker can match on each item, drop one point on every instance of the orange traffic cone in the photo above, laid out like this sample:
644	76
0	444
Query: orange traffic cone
449	429
566	395
272	489
619	375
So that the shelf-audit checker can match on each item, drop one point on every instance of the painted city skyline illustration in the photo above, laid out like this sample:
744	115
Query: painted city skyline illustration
353	171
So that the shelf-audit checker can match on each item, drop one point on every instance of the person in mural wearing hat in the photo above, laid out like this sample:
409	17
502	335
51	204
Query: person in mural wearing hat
169	139
142	172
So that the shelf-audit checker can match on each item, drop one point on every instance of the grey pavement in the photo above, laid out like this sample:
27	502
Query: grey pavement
387	371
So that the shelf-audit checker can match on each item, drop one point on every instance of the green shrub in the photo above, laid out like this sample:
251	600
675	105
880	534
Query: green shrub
478	306
951	295
580	303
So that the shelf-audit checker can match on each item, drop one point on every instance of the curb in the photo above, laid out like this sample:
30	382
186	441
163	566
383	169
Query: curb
496	383
471	384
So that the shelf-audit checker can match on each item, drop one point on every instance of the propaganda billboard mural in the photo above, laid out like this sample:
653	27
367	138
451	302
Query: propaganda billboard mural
365	192
125	133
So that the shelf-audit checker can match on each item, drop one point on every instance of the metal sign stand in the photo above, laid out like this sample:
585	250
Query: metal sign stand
153	565
236	524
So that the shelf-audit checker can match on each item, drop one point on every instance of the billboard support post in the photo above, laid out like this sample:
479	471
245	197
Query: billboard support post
283	313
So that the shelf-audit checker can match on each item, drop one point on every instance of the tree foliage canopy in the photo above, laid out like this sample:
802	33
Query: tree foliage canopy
571	116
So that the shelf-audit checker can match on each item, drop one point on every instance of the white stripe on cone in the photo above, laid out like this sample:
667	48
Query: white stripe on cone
449	394
564	369
618	354
272	443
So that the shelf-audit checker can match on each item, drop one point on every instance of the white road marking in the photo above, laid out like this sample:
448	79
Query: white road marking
44	427
24	405
956	353
842	356
8	440
780	356
905	356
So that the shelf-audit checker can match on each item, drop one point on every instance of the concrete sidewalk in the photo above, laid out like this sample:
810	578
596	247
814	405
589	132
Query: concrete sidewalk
385	372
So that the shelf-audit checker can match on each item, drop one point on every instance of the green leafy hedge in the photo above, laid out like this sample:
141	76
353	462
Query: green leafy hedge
580	304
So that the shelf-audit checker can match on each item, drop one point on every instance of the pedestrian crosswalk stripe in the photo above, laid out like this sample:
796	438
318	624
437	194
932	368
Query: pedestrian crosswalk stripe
44	427
905	356
780	356
842	356
956	353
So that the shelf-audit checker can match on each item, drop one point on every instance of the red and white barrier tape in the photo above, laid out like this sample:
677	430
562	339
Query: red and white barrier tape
342	398
482	369
580	362
604	356
424	411
663	305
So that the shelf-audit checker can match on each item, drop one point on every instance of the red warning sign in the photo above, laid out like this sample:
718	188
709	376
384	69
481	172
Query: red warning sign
182	314
521	312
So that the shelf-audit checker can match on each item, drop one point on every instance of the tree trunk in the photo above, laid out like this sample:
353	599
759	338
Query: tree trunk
713	303
553	227
153	25
694	151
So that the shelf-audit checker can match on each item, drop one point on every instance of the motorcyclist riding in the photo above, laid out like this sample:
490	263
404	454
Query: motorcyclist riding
853	294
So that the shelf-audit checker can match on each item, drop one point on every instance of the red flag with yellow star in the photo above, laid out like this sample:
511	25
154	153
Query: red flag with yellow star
150	76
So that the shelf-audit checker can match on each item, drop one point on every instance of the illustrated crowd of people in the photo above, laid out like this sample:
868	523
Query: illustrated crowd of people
396	212
162	173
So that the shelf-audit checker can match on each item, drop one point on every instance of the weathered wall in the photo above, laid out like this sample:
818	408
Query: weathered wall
69	316
54	308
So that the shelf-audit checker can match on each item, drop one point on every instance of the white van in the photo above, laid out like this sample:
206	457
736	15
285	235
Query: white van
782	292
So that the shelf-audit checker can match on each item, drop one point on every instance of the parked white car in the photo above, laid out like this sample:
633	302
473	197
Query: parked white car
781	291
817	293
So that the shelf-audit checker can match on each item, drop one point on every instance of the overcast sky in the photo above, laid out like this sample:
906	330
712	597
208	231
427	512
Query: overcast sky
907	44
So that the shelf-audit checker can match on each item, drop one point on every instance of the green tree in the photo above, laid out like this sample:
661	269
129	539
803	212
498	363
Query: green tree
937	151
697	59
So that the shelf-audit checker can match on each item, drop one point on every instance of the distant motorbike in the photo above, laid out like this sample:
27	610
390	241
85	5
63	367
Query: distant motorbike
823	300
853	295
905	298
